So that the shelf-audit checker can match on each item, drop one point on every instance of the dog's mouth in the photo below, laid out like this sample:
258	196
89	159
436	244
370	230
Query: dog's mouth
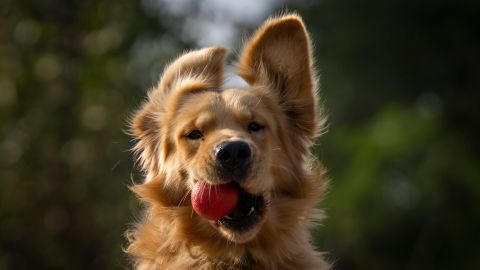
228	205
248	212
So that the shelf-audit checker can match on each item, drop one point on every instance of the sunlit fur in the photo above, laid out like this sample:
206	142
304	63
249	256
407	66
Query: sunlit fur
281	96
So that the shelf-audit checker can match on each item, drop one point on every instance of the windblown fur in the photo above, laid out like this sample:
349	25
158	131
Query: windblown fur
278	66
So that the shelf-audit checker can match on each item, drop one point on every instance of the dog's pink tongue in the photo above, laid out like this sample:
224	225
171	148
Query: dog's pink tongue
214	201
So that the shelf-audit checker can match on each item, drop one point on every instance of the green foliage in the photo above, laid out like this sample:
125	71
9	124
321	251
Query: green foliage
399	81
68	83
402	147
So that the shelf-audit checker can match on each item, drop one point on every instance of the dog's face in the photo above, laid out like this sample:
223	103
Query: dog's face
229	136
254	138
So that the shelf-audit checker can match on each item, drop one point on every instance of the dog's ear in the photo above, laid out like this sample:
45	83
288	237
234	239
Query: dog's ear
279	56
203	66
197	69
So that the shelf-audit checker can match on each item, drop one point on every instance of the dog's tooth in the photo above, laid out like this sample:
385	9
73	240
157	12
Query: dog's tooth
252	209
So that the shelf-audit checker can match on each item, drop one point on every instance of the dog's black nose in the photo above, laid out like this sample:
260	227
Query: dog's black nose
233	155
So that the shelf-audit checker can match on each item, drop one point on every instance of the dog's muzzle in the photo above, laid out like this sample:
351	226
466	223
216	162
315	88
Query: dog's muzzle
233	160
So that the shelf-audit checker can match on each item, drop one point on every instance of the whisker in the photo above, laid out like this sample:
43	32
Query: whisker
209	192
184	198
202	191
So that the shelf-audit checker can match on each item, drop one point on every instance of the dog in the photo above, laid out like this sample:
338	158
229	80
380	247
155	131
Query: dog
253	142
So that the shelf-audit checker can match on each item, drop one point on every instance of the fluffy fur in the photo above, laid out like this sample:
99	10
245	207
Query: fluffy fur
278	66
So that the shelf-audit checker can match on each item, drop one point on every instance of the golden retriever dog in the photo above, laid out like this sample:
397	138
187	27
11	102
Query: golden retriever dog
248	148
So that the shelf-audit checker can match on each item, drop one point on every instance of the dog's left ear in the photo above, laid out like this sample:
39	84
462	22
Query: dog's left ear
279	56
196	69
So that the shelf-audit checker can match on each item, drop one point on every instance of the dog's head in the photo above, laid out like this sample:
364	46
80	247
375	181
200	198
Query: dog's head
255	138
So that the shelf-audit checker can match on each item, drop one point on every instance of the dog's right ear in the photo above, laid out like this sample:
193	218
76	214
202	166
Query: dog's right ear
197	69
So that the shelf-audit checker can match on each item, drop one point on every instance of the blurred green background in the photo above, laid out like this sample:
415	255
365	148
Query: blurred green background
400	81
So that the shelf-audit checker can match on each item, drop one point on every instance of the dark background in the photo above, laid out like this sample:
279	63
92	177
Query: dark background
400	82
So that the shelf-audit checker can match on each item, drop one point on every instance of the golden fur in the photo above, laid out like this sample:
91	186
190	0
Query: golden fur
278	65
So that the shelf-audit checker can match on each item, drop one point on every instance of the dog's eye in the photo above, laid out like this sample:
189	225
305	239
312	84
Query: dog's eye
195	135
254	127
